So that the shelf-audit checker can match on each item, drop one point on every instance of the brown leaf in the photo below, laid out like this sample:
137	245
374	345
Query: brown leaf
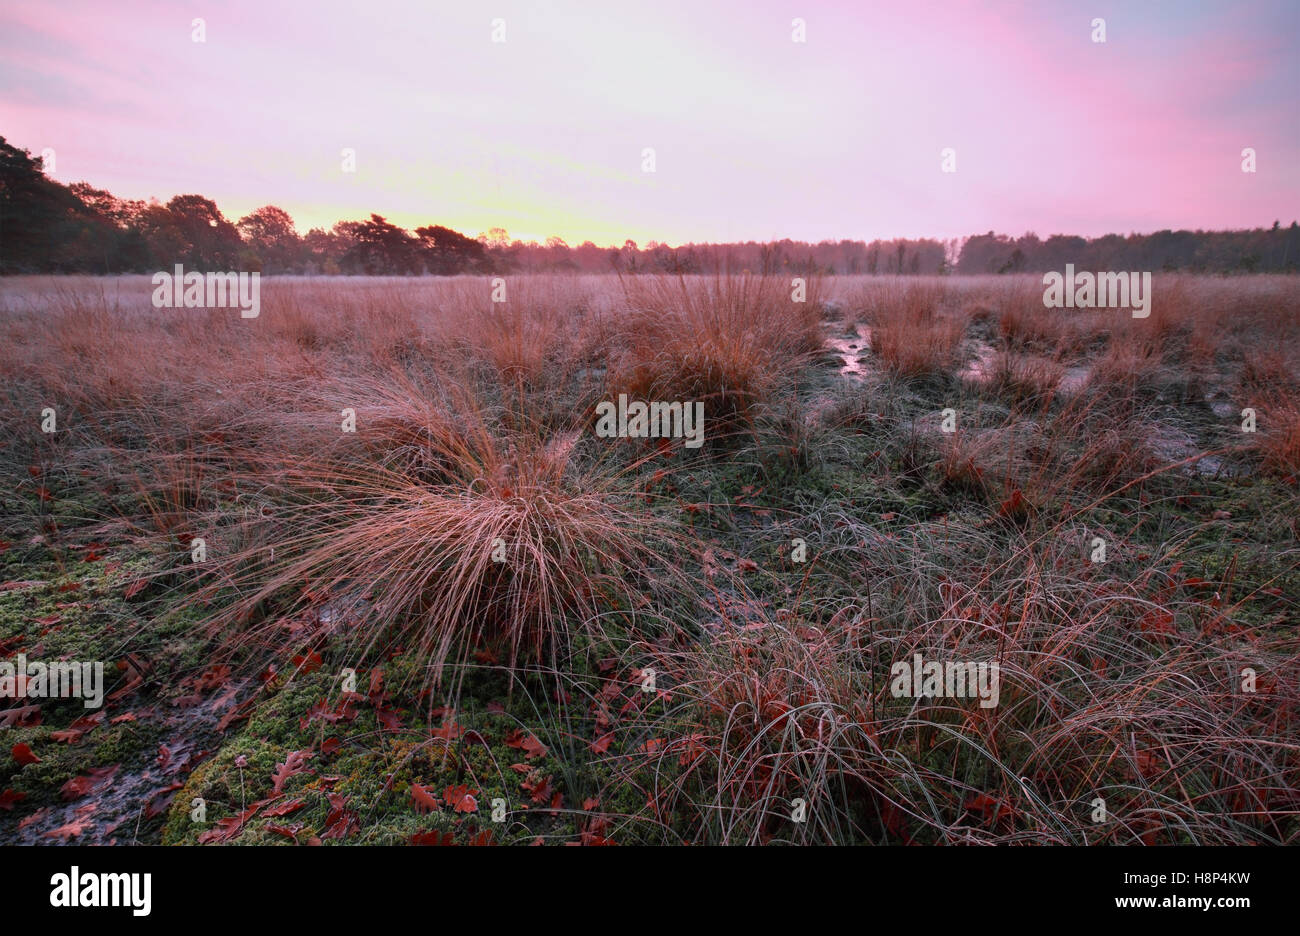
39	816
289	832
24	715
601	744
424	800
71	829
98	780
461	798
293	765
229	827
160	799
284	809
526	742
340	822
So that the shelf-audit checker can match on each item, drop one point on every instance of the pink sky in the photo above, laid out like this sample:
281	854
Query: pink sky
755	136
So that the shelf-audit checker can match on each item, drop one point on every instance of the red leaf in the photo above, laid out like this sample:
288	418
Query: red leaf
449	731
214	677
39	816
527	743
69	830
284	809
341	822
461	799
651	746
541	791
8	798
229	827
24	715
389	719
160	799
991	808
99	779
289	832
424	800
293	765
23	754
309	663
1157	621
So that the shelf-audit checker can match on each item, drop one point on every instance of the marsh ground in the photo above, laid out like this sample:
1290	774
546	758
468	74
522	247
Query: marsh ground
678	644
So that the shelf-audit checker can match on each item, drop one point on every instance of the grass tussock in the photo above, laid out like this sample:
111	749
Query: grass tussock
628	640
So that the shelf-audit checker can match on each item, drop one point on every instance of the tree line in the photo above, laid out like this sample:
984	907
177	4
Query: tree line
49	227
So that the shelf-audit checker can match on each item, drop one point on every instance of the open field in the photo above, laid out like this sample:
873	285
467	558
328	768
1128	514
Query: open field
476	604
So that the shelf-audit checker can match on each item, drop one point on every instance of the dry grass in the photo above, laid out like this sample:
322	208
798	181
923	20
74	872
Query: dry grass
912	333
473	519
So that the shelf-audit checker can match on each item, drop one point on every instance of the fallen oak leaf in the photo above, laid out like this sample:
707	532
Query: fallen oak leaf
23	754
16	584
449	731
23	716
424	800
284	809
293	765
307	664
289	832
39	816
341	821
540	790
73	733
389	719
601	744
96	781
159	800
230	826
239	713
69	830
526	742
461	799
214	677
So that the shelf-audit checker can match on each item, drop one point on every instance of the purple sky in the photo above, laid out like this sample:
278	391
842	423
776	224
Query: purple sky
755	136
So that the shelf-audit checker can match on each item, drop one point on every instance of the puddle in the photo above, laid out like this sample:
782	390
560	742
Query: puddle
115	810
852	351
979	369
